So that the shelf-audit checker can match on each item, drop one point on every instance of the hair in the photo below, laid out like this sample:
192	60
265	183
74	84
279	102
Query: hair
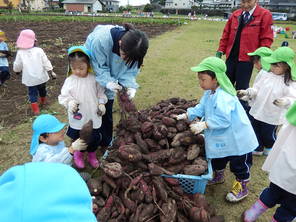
287	75
209	73
134	43
44	135
79	56
255	59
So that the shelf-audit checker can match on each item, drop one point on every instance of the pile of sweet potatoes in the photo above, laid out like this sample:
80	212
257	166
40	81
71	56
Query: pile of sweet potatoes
149	143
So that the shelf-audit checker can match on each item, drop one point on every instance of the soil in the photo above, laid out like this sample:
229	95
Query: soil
54	38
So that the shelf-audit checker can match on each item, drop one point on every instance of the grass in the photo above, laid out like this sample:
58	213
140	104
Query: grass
166	73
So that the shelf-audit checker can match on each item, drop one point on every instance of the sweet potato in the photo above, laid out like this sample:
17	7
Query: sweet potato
146	212
177	155
157	170
201	161
200	200
195	170
106	190
181	126
157	156
164	143
86	132
176	140
94	186
171	181
170	211
130	153
160	188
217	219
104	214
181	217
113	169
99	201
193	152
152	144
147	127
141	143
168	121
109	180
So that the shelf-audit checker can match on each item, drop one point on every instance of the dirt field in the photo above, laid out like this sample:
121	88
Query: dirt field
54	38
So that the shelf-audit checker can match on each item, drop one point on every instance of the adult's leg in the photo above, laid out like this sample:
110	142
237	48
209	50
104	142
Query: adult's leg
231	65
243	75
107	124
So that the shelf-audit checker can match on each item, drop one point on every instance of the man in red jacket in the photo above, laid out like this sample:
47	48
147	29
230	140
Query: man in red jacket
247	29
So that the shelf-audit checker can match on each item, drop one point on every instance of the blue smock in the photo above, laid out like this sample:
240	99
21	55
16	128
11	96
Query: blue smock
229	131
106	61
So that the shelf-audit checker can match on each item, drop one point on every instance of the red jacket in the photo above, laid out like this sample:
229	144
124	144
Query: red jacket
255	34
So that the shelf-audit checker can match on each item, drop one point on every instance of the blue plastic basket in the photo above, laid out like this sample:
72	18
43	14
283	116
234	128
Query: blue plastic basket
194	184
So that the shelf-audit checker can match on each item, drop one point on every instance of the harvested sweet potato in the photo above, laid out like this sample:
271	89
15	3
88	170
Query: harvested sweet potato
217	219
141	143
109	180
157	156
113	169
193	152
171	181
125	103
157	170
160	188
201	161
130	153
176	140
106	190
153	145
94	186
147	127
181	126
86	132
168	121
146	212
170	211
181	217
177	155
104	214
164	143
99	201
200	200
195	170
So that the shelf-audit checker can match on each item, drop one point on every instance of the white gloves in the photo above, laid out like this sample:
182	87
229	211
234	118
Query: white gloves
198	127
181	116
241	93
113	86
53	75
131	92
246	94
282	102
101	110
73	106
79	144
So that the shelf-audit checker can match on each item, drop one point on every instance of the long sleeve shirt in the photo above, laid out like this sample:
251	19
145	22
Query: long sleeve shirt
48	153
108	65
267	88
229	131
88	94
34	65
3	59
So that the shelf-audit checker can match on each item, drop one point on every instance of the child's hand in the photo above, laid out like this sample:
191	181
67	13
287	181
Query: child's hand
79	144
73	106
113	86
282	102
131	92
101	110
198	127
53	75
241	93
181	116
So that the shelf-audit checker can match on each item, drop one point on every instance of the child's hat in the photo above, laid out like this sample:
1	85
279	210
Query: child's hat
283	54
26	39
39	192
262	52
217	66
291	114
44	123
82	49
2	34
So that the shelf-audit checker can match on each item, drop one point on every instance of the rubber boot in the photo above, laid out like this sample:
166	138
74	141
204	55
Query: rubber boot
78	159
239	191
35	108
254	211
43	101
266	151
218	177
274	220
92	159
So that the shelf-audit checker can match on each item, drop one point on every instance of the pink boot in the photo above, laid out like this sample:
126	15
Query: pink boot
254	212
92	159
78	159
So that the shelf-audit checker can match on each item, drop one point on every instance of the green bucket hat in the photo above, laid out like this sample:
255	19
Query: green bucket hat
217	66
262	52
291	114
283	54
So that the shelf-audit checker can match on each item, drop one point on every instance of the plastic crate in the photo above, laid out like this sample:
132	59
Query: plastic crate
194	184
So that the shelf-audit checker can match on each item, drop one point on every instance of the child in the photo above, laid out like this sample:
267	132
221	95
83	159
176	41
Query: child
34	65
47	143
4	53
281	165
271	95
85	100
228	132
44	192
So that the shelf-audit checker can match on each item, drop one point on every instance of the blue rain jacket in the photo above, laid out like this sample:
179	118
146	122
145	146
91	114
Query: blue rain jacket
106	63
44	192
229	132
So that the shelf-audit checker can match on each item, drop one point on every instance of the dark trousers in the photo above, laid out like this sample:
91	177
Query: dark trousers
240	166
107	125
239	74
35	90
273	195
265	133
95	140
4	74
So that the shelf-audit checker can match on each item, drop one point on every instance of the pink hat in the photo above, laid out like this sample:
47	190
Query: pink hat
26	39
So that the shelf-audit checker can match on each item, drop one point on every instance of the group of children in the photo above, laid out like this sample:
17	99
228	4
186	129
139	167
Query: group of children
231	134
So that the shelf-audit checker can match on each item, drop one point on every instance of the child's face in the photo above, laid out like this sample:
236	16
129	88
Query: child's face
53	138
2	37
257	65
278	68
79	68
206	82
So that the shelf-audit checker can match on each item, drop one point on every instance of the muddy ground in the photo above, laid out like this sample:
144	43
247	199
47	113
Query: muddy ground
54	38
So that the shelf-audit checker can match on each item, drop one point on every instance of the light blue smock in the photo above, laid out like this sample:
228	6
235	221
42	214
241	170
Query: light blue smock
229	132
107	65
3	61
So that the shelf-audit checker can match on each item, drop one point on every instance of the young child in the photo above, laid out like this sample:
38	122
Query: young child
47	143
229	136
85	100
4	54
272	93
281	166
34	65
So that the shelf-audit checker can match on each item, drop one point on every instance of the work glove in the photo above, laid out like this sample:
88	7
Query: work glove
131	92
198	127
219	54
181	116
282	102
242	93
53	75
79	144
73	106
113	86
101	110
